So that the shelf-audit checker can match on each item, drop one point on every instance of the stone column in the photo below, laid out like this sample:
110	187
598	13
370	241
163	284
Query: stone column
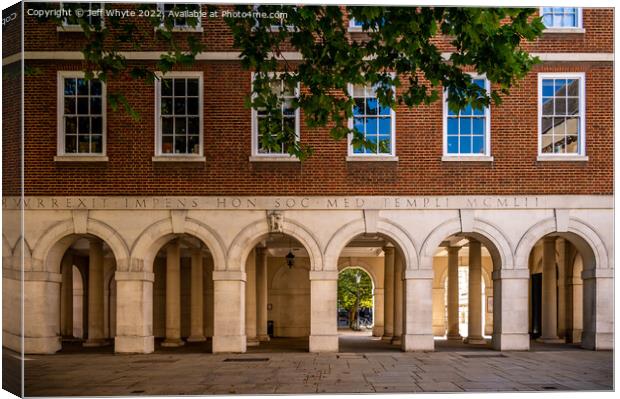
510	309
197	295
549	293
96	335
229	311
474	322
261	294
388	284
598	308
250	300
378	318
398	299
323	305
453	293
561	244
418	311
173	295
134	315
66	296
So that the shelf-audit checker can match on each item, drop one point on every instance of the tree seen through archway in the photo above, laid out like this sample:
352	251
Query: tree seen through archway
355	297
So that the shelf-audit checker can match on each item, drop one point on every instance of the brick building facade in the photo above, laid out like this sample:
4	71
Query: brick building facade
121	220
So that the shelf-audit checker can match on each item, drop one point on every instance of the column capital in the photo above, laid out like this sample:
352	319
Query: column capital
389	248
453	249
134	276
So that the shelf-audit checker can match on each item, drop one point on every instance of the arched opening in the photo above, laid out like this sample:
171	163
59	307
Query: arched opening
277	295
183	294
557	291
463	291
382	260
87	293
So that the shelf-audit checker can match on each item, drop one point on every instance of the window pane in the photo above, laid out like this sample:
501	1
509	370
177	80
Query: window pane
384	110
192	87
71	144
479	111
385	126
166	106
560	87
179	126
194	144
371	106
179	106
572	126
96	125
96	144
453	126
478	127
70	86
83	144
95	105
465	125
572	144
192	106
167	126
572	87
371	126
478	145
179	87
82	87
166	87
358	124
83	124
71	125
547	87
70	105
193	125
465	142
82	105
560	106
166	144
547	107
385	145
95	88
467	110
547	124
180	145
358	108
453	144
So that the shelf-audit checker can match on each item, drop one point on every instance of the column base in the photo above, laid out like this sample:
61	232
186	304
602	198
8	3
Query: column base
551	340
172	342
396	341
417	342
387	337
597	341
96	342
32	346
455	337
129	344
323	343
196	338
475	340
252	341
511	342
229	344
263	338
377	331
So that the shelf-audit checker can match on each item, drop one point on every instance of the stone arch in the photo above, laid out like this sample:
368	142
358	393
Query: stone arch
50	248
493	239
583	237
385	227
251	235
347	264
153	238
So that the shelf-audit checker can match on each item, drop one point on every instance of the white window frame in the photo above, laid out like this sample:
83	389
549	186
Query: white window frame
352	156
60	103
159	155
565	29
77	28
184	28
581	155
486	156
259	156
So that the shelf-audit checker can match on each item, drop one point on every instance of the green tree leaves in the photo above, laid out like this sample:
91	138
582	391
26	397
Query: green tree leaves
353	294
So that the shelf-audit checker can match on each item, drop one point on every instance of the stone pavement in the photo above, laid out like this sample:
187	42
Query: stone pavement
177	373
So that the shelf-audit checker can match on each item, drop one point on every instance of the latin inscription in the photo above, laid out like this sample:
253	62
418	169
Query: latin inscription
276	203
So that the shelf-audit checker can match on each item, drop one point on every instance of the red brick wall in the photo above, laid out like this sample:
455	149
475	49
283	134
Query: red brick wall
227	137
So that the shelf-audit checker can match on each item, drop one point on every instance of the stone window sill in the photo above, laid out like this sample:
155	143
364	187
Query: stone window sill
372	158
473	158
556	158
264	158
179	158
564	30
80	158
